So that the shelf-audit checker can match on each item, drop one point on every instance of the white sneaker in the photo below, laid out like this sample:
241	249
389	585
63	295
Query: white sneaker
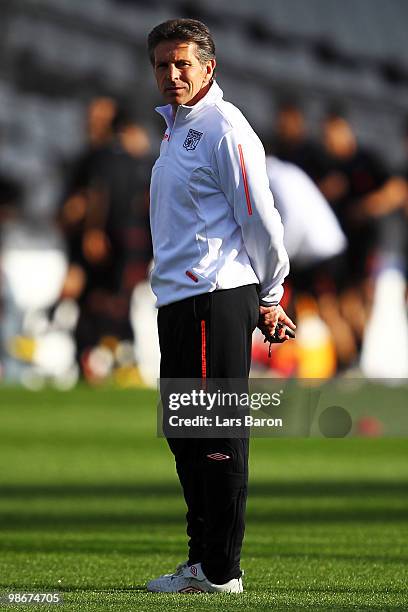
191	579
178	571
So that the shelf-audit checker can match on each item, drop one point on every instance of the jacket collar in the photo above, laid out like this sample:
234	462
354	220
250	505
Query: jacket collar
185	112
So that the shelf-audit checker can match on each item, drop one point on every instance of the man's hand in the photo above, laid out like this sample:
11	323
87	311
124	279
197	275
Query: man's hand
269	317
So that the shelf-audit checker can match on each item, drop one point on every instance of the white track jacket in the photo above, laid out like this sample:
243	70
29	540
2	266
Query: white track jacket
213	220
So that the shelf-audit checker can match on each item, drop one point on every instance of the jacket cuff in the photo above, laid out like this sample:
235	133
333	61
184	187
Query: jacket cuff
265	303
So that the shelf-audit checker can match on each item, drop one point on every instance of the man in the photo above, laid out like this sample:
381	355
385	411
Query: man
219	264
105	221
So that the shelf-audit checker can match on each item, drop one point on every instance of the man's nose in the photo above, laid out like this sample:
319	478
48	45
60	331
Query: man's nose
173	72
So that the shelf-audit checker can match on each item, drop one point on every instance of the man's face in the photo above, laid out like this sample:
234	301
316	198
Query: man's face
180	77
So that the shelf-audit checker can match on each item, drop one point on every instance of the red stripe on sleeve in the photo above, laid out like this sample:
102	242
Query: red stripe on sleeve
192	276
244	176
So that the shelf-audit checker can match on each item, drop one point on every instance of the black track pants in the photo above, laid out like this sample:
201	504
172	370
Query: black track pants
210	336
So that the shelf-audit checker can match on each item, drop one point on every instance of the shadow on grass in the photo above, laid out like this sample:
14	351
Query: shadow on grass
134	547
326	488
33	521
309	556
366	501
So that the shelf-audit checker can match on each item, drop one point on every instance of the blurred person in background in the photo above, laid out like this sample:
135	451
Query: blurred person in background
359	187
317	279
290	141
349	173
363	195
105	221
100	115
304	210
315	243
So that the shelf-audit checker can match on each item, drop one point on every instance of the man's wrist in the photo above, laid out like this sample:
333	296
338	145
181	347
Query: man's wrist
267	304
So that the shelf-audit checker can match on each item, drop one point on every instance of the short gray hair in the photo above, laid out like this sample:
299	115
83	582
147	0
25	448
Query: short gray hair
186	30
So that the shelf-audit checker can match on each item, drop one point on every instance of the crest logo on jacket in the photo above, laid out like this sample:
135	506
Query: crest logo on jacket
192	140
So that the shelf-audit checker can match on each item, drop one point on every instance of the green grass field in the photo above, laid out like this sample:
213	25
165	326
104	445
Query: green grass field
90	507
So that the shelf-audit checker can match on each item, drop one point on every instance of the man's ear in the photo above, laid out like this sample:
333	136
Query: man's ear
210	67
